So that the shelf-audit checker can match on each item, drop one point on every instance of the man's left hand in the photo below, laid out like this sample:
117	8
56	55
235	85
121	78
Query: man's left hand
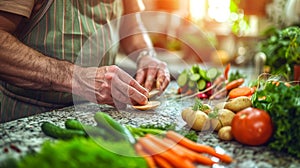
152	73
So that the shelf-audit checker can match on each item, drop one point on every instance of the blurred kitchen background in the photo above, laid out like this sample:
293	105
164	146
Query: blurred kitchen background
214	31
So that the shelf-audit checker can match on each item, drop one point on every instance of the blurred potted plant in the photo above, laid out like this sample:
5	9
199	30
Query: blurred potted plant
282	49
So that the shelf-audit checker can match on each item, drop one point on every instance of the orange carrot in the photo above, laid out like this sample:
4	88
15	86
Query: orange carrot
231	85
161	162
179	90
172	158
197	147
240	91
226	71
146	156
189	92
165	146
253	89
234	84
193	156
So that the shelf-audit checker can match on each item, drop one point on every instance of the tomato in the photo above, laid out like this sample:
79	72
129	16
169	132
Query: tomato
252	126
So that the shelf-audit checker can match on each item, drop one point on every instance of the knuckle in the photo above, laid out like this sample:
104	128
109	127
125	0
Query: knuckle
113	68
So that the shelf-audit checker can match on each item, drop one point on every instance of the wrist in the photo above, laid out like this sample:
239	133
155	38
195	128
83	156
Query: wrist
146	53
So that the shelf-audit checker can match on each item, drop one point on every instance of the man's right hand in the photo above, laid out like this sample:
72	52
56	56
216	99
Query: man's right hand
108	85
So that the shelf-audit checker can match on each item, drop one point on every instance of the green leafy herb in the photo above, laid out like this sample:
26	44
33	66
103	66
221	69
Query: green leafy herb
84	152
282	50
198	105
235	75
283	105
214	113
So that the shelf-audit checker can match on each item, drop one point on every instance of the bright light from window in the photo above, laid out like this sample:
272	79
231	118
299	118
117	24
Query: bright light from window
219	10
197	9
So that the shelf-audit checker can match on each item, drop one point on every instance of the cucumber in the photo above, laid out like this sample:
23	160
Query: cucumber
117	126
212	73
182	79
203	74
88	129
191	84
201	84
73	124
194	77
55	131
195	69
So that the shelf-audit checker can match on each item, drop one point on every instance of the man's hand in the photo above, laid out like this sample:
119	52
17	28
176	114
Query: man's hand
108	85
153	73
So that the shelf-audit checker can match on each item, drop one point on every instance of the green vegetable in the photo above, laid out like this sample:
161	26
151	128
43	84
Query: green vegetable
282	50
92	131
182	79
201	84
161	130
104	119
84	152
283	105
203	75
9	162
60	133
235	75
196	77
212	73
191	84
198	105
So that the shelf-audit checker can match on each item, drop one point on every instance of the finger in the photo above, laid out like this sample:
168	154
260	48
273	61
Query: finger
125	93
150	79
140	76
163	79
129	80
165	83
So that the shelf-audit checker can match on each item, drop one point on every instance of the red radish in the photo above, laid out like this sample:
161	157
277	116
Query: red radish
209	93
202	96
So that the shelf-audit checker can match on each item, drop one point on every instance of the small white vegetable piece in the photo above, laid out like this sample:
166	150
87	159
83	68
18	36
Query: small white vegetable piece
238	104
151	105
225	133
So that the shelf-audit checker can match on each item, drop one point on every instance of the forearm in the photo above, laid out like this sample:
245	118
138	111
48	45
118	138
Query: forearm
26	67
134	36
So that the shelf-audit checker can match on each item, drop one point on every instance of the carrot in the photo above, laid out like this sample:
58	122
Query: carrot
193	156
234	84
189	92
240	91
165	146
229	86
253	89
146	156
179	90
172	158
196	147
227	68
161	162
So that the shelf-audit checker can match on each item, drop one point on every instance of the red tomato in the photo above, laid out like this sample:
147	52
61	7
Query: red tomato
252	126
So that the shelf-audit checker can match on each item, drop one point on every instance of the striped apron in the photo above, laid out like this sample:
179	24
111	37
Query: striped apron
84	32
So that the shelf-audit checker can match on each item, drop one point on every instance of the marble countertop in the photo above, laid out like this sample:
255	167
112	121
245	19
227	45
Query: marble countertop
26	133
